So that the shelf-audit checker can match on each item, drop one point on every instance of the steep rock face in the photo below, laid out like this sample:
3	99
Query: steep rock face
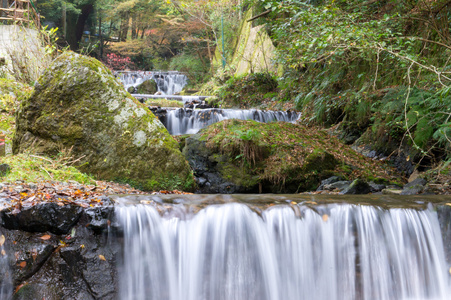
78	104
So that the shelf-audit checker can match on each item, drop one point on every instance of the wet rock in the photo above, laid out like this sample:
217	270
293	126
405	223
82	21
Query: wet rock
328	181
99	218
42	217
357	187
417	181
376	188
81	265
4	169
414	187
338	185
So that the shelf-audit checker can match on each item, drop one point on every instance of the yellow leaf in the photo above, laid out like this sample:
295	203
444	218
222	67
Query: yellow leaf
2	240
325	218
82	246
102	257
293	203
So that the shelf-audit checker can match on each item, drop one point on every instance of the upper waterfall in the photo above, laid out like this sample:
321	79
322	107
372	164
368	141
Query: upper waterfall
168	82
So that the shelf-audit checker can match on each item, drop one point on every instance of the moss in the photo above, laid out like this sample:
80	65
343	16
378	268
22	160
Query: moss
78	104
284	157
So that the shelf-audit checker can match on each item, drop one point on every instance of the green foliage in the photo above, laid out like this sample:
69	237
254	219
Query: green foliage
191	65
33	168
248	90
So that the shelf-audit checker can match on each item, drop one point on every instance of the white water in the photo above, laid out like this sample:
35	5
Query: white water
5	273
168	83
188	121
333	252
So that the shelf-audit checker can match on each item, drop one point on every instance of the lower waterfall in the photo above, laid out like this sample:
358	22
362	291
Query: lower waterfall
333	251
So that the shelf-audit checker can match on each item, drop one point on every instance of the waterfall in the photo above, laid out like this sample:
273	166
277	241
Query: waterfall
168	83
229	252
188	121
5	272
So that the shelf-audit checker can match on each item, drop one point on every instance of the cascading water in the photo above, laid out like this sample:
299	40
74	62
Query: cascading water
335	251
5	272
188	121
168	83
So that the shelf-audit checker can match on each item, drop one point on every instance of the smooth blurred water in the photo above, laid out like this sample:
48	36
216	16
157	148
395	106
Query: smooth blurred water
168	83
6	288
230	252
188	121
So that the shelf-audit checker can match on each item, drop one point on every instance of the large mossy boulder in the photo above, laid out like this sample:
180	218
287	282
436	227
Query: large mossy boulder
78	105
147	87
247	156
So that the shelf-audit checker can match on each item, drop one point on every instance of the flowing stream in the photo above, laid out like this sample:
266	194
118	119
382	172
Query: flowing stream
230	251
6	286
189	121
168	83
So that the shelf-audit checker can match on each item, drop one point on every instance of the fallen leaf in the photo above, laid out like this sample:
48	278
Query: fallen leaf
23	264
293	203
102	257
82	246
3	252
19	287
2	240
45	237
325	218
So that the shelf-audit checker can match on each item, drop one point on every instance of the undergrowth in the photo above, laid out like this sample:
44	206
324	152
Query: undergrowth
28	167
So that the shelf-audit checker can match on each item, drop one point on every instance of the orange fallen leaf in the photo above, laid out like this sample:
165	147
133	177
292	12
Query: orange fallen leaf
23	264
325	218
2	240
19	287
3	252
45	237
102	257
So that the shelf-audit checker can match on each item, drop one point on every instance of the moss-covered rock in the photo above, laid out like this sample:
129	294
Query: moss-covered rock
147	87
78	104
247	156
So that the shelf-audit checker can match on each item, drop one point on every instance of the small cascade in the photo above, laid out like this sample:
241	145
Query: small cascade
329	252
188	121
168	83
6	287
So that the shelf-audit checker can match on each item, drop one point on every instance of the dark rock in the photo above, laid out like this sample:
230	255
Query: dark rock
114	136
205	165
357	187
131	90
413	190
340	185
99	218
42	217
376	188
328	181
418	181
4	169
81	265
414	187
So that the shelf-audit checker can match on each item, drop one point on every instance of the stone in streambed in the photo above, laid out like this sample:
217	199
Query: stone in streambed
42	217
77	104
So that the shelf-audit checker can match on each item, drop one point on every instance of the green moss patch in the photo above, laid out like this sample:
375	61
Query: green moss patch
33	168
288	157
